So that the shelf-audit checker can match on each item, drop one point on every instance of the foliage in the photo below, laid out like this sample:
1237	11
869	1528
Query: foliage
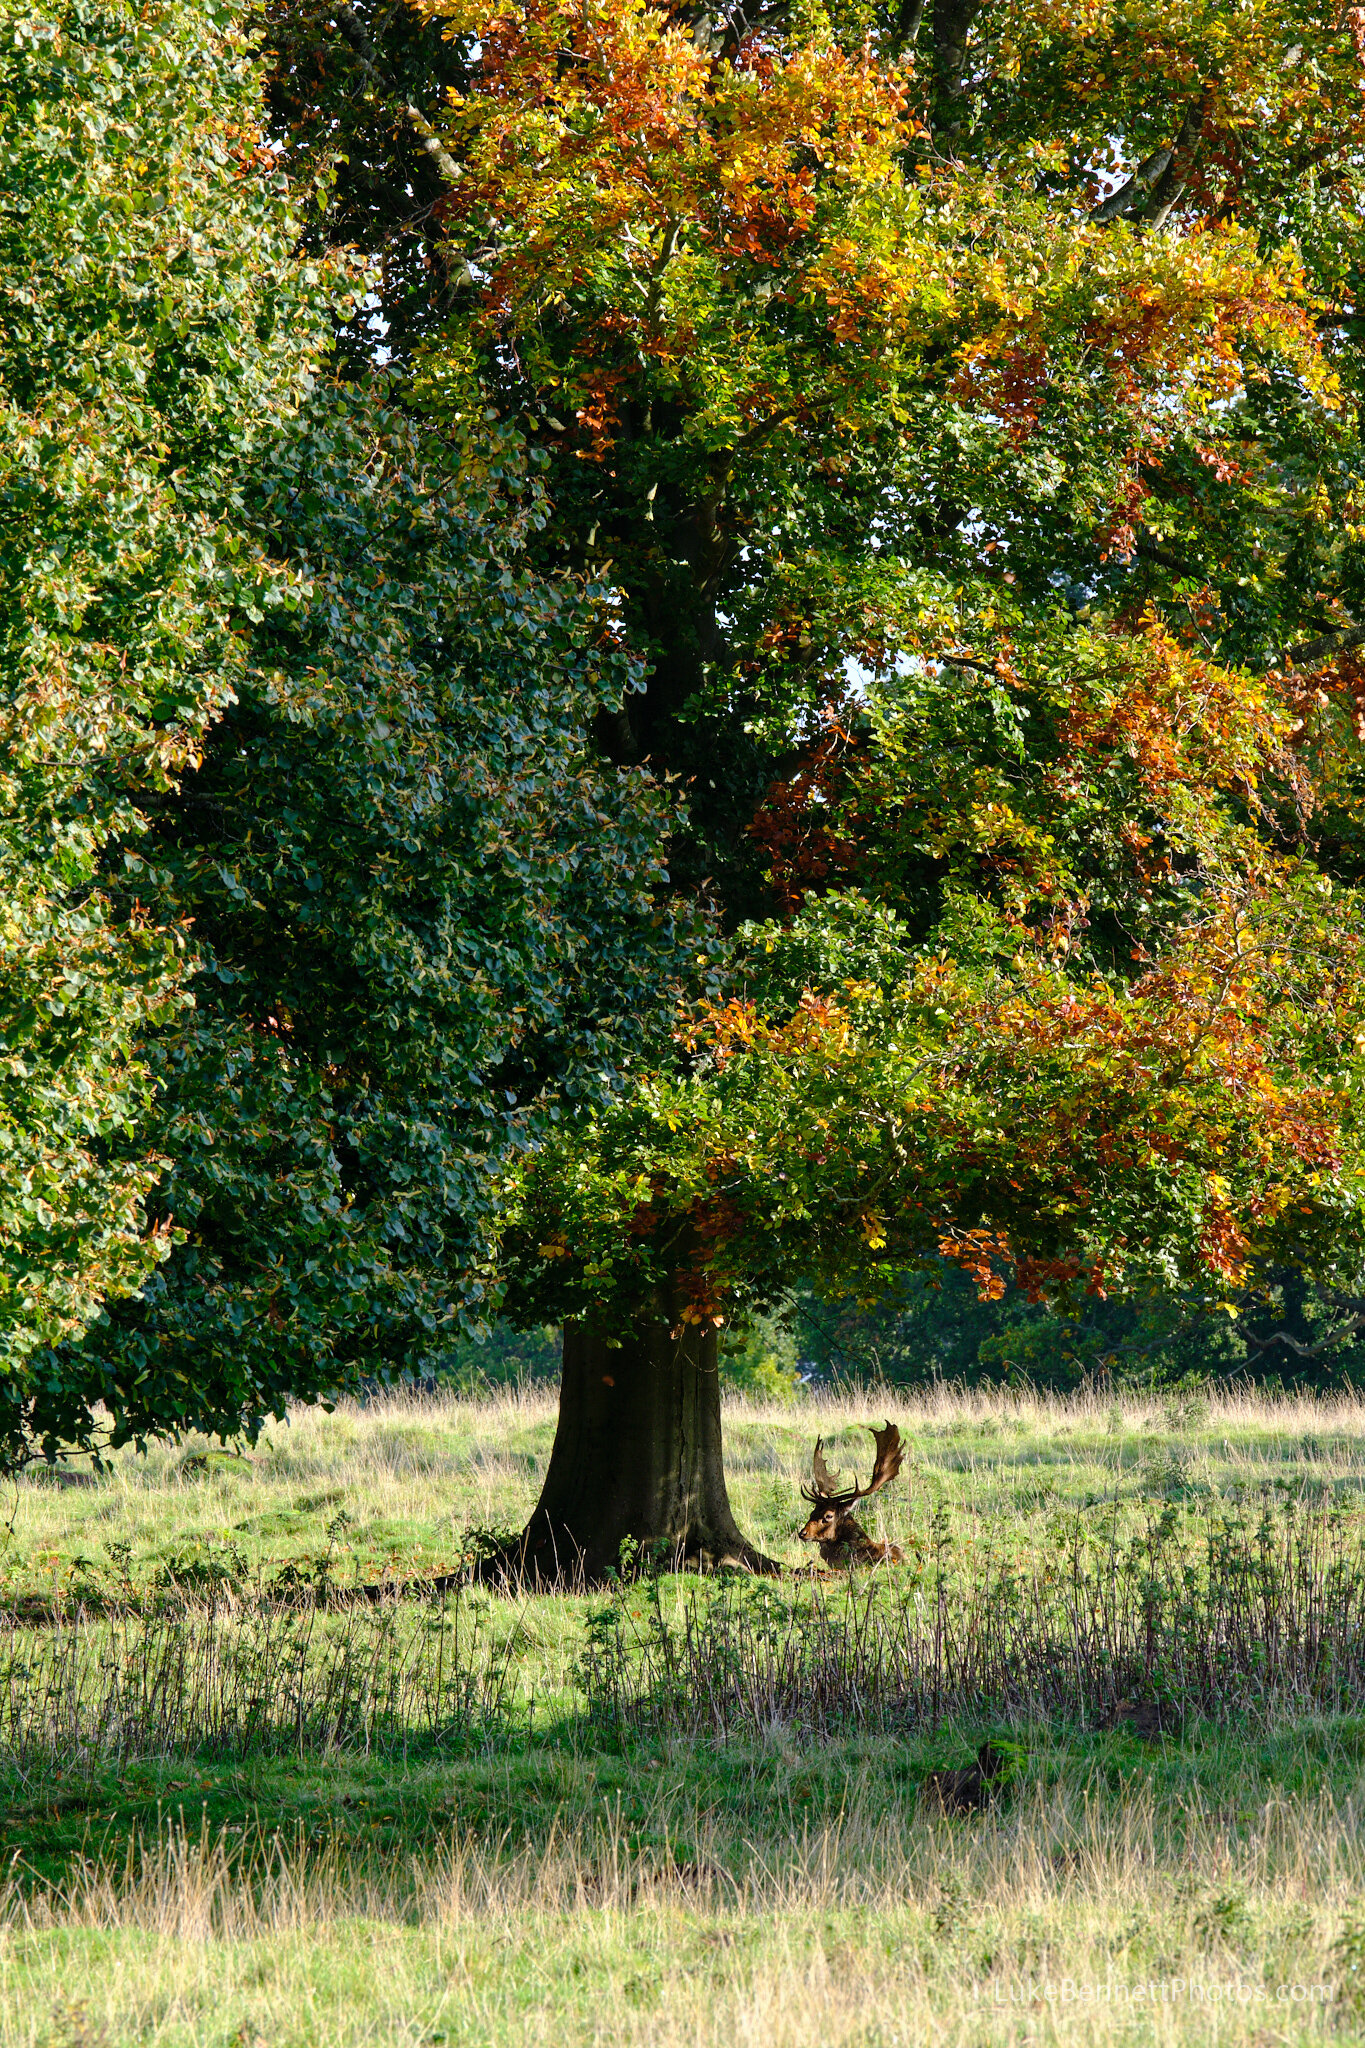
420	934
156	328
1182	1131
1090	784
972	464
352	91
501	1356
932	1325
943	425
761	1361
819	387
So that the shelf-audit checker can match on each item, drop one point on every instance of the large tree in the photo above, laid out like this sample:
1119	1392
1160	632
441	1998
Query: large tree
157	327
1064	1133
963	400
316	901
967	395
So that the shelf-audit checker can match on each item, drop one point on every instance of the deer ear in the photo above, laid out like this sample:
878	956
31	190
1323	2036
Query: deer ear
827	1482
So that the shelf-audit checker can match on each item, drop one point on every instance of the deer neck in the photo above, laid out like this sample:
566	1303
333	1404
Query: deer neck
849	1538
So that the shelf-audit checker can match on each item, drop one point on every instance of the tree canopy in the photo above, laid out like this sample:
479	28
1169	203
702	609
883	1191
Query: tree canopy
155	327
800	711
419	935
825	380
315	900
966	403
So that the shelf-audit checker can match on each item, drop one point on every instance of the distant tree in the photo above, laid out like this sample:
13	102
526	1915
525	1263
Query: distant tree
505	1357
933	1325
156	329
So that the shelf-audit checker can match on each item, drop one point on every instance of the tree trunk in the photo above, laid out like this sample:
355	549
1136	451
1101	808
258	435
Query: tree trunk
637	1454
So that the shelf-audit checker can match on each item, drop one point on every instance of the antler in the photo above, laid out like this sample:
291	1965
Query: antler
826	1486
886	1466
887	1463
827	1481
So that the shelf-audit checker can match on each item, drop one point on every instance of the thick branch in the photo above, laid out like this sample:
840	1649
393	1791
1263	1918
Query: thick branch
354	31
986	668
1346	1330
1169	188
952	24
1147	553
1309	653
905	26
1148	171
1160	179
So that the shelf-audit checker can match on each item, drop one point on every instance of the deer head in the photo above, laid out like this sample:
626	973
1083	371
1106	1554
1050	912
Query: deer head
831	1521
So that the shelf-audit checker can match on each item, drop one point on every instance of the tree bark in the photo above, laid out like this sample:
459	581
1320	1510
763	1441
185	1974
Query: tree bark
952	24
637	1454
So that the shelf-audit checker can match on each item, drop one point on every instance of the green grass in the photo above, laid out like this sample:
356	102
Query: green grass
392	1488
544	1866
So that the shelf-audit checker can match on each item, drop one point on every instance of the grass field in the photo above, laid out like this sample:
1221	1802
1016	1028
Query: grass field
242	1808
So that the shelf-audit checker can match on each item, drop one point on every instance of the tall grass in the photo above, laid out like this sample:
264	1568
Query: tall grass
1203	1610
685	1812
861	1935
220	1679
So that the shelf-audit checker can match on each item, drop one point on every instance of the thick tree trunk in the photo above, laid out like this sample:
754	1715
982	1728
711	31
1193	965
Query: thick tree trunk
637	1454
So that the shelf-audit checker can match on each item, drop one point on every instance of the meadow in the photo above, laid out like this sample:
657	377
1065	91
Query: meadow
261	1787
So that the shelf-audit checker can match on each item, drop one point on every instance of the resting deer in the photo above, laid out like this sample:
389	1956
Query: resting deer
842	1540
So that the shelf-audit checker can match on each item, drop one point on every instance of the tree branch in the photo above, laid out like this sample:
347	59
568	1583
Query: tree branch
1351	1328
952	24
1146	174
985	668
905	25
1160	179
354	31
1309	653
1169	188
1147	553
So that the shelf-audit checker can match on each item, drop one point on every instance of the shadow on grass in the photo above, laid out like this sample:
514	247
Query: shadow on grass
722	1809
1209	1606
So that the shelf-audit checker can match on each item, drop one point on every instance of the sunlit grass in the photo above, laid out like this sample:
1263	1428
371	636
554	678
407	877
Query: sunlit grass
529	1866
1193	1923
392	1487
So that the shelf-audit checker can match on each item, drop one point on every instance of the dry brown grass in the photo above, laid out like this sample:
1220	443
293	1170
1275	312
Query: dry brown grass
1182	1928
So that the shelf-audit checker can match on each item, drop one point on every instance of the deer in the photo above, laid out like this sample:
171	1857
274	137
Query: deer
843	1541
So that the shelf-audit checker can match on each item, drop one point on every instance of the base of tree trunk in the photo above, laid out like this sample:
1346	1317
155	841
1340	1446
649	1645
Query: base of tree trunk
636	1476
